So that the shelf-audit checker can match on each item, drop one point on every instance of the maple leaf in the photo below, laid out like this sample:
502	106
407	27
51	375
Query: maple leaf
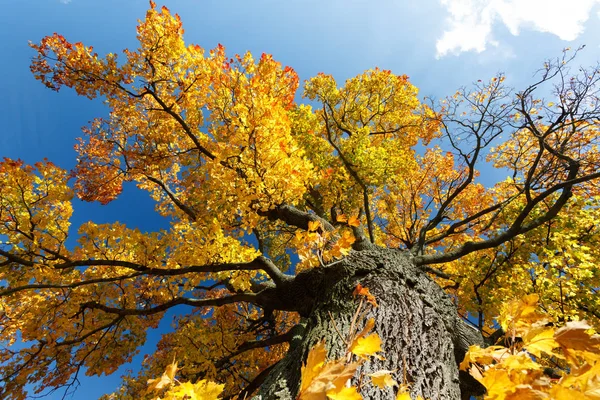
574	335
201	390
164	381
314	364
330	379
383	378
367	346
353	221
542	342
576	341
360	290
341	218
313	226
346	393
498	383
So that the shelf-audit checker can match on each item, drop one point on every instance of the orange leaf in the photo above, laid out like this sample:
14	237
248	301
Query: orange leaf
353	221
360	290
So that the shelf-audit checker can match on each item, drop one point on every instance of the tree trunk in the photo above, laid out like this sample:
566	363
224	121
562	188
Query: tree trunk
423	337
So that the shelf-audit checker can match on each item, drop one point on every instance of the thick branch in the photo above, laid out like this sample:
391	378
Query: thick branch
260	263
186	128
294	217
256	344
73	285
16	259
218	302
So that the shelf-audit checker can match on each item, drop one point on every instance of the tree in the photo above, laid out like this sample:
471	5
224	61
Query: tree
277	211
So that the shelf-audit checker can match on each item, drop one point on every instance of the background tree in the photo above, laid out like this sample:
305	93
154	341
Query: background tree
249	181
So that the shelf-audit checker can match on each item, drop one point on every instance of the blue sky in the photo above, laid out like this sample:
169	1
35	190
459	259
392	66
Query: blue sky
440	44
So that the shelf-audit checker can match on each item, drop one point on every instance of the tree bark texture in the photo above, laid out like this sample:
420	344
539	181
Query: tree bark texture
423	337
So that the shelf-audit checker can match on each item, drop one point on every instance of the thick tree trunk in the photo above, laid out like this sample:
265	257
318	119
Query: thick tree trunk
422	335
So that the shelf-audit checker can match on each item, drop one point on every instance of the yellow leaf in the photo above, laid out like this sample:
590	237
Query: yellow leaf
347	393
383	378
201	390
520	362
171	370
364	347
560	392
330	379
574	337
543	342
475	373
165	380
367	328
314	364
497	382
341	218
483	356
158	383
526	392
338	373
313	226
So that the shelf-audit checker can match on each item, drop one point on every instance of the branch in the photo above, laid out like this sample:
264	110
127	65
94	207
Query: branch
255	344
218	302
294	217
186	128
16	259
518	227
255	384
73	285
351	171
259	263
174	199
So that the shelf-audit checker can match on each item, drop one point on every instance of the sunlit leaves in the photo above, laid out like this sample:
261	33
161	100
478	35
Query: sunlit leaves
201	390
35	207
365	131
211	132
517	371
366	346
317	246
382	379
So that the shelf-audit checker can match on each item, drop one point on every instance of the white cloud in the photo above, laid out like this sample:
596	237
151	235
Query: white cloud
470	21
65	1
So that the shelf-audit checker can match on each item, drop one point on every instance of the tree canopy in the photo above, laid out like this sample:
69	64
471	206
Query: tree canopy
258	188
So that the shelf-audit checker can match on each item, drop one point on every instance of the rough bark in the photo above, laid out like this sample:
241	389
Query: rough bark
422	335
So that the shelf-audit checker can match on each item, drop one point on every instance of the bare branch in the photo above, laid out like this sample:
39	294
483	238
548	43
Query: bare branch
518	227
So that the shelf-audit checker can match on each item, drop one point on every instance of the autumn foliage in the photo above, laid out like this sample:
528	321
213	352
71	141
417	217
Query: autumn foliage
258	190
